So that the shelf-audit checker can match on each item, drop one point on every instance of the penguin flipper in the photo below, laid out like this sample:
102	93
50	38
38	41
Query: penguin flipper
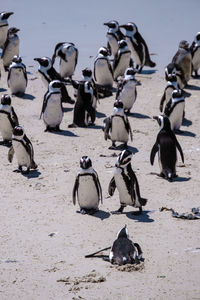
99	189
14	118
139	250
154	150
107	125
11	154
179	149
162	100
112	187
75	189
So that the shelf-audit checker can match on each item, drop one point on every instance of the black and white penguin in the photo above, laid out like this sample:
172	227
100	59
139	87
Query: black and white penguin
4	27
52	109
84	109
166	144
123	250
183	58
138	47
23	148
126	182
122	60
87	188
48	73
174	69
117	126
113	35
68	54
172	85
126	91
174	110
17	77
11	47
8	120
103	73
195	51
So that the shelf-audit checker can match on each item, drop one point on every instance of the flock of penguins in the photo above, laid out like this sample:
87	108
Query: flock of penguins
125	55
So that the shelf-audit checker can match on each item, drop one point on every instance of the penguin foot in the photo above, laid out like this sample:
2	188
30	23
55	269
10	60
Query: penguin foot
72	125
113	147
119	211
57	128
48	129
17	170
25	172
83	211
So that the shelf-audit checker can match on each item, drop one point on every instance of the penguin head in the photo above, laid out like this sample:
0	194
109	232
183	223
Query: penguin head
123	233
18	131
44	61
87	74
55	85
118	104
103	51
124	159
130	28
197	37
129	73
177	94
114	25
12	31
122	44
6	100
163	122
118	108
5	15
172	77
17	59
184	45
85	162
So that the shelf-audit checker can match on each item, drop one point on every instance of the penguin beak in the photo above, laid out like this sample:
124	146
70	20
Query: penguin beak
38	60
107	24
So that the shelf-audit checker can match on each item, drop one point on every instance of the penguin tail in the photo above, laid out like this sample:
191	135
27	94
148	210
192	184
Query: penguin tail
143	201
150	63
33	165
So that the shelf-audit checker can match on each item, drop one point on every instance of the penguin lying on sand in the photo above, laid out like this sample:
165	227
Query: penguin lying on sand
22	147
113	35
166	144
87	189
17	77
8	120
4	27
195	51
117	126
172	85
125	181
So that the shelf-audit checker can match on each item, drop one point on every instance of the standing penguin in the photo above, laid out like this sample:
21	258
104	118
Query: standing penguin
103	73
123	250
126	92
172	85
17	77
166	144
183	58
52	109
122	60
48	73
125	181
117	126
174	69
87	189
138	47
8	120
113	35
68	54
174	110
195	51
23	149
4	27
11	47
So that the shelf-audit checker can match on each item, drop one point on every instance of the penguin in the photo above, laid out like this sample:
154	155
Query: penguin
68	54
87	188
195	51
174	69
84	108
52	109
172	85
8	120
126	182
4	27
23	148
138	47
123	250
126	91
166	145
17	76
117	126
11	47
113	35
183	58
122	60
103	73
48	73
174	110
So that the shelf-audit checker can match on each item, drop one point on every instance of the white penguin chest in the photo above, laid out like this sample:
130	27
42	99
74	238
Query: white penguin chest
196	60
53	113
122	188
67	67
123	64
128	94
113	43
87	192
102	72
17	81
5	127
134	53
118	132
3	35
22	155
11	50
176	116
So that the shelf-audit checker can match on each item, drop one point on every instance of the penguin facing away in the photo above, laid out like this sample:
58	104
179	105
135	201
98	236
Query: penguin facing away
166	145
172	85
126	91
8	120
103	73
195	51
138	46
11	47
87	188
123	250
22	147
122	60
4	27
52	109
68	54
126	182
113	35
174	110
17	77
117	126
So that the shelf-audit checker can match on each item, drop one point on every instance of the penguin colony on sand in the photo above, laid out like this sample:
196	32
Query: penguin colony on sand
129	53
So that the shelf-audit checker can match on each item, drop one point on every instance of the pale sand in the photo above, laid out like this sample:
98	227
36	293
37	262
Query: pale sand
32	207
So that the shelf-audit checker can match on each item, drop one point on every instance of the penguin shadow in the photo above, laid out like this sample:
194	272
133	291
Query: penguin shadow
186	94
25	96
186	122
32	174
2	90
101	214
100	115
94	127
148	72
65	133
185	133
144	217
181	179
138	115
121	148
66	109
192	87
